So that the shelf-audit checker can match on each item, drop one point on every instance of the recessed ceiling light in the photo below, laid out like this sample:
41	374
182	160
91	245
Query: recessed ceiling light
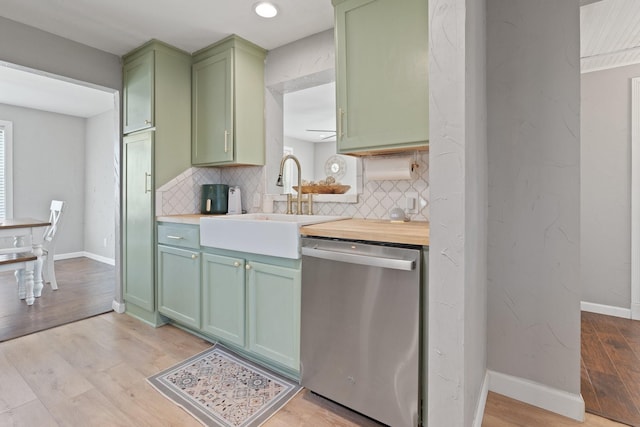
265	9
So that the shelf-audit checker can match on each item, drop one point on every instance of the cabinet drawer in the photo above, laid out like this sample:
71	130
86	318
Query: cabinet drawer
184	236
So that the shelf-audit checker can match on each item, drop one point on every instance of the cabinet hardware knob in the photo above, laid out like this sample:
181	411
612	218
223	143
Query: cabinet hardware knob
248	266
236	264
194	256
147	122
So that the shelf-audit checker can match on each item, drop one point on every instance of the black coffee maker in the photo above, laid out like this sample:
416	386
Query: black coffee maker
214	199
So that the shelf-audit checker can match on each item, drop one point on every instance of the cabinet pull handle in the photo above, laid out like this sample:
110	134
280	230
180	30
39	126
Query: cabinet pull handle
147	178
236	264
194	256
175	237
226	138
247	266
340	116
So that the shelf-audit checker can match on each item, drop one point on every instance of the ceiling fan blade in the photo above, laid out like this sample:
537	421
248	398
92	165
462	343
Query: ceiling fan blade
327	137
320	130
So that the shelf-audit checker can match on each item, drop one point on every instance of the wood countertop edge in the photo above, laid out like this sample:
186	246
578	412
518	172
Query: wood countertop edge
412	233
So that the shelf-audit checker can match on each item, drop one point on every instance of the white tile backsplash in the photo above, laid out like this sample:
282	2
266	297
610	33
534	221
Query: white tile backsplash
181	195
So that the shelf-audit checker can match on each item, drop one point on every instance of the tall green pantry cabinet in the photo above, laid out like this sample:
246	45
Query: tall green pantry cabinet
157	147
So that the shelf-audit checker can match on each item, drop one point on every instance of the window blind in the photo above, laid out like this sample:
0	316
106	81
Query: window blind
3	174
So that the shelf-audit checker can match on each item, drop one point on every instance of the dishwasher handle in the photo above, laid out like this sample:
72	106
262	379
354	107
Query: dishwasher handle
369	260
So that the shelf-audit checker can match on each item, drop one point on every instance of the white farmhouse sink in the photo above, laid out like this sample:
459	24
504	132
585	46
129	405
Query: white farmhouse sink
258	233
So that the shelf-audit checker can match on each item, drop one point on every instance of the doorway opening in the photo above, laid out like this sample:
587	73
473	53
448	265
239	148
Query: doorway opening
66	146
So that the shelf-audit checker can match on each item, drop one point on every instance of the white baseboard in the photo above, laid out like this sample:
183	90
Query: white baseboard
536	394
95	257
609	310
68	255
482	402
635	311
100	258
118	307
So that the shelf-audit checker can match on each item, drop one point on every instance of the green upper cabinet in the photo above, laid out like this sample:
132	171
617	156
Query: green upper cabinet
228	104
138	93
157	95
213	93
381	75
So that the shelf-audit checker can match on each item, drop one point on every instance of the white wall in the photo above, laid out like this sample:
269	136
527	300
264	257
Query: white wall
458	178
48	163
100	139
605	198
533	87
303	150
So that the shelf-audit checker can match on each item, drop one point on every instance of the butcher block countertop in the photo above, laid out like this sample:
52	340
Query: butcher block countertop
376	230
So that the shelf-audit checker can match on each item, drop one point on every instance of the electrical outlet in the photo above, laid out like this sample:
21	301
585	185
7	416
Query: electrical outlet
411	202
257	202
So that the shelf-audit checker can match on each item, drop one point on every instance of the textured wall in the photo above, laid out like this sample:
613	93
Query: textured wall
458	170
533	87
605	198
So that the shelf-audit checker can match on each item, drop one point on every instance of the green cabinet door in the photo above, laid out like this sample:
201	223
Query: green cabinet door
223	297
138	94
274	313
212	109
138	221
381	75
227	112
179	285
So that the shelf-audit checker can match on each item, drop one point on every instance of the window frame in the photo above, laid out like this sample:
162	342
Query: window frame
7	127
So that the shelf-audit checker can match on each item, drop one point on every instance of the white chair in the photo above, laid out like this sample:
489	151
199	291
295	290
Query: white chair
48	244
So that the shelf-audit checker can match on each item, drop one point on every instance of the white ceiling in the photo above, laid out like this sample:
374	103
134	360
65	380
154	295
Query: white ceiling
35	90
118	26
610	36
311	109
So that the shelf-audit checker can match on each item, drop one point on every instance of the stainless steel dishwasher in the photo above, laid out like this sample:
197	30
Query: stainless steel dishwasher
360	331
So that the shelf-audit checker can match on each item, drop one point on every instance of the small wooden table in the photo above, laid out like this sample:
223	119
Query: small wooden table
27	243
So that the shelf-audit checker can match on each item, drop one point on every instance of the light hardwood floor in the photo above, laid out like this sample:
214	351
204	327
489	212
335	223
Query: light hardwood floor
93	373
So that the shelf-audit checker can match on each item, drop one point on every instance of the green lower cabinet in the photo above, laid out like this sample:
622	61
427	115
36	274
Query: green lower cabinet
223	297
273	294
179	285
